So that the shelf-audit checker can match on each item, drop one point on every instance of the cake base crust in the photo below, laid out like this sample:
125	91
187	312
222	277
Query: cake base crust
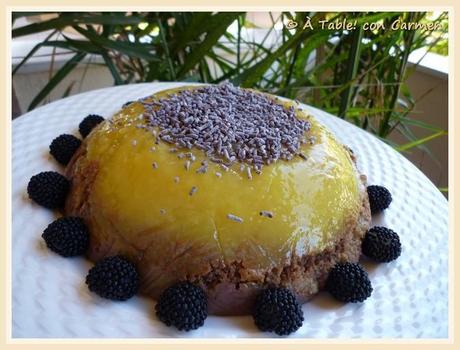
305	276
231	288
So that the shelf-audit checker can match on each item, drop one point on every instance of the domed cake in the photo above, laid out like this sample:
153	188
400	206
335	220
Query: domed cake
228	188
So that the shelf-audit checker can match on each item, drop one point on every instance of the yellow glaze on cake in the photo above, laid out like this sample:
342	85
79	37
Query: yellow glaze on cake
309	199
125	188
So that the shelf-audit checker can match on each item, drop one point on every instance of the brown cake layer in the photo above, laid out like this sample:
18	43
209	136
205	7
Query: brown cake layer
229	294
231	287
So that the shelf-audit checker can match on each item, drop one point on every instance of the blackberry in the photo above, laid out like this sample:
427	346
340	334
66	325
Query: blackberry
63	147
183	306
379	198
67	236
381	244
113	278
89	123
126	104
277	310
349	282
48	189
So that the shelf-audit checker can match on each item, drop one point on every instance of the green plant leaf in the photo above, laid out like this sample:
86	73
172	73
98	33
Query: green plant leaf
68	90
75	45
56	79
409	135
209	41
358	111
72	19
113	70
352	69
256	72
200	23
127	48
82	45
418	123
33	51
421	141
55	23
384	125
164	44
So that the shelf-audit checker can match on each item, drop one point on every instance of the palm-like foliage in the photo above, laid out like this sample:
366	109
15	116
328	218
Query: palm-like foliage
359	75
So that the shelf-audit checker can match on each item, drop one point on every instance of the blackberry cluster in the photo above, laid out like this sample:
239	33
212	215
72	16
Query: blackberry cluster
183	306
48	189
113	278
89	123
67	236
381	244
379	198
63	147
349	282
277	310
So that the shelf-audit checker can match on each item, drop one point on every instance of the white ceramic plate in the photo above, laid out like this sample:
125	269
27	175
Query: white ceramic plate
50	298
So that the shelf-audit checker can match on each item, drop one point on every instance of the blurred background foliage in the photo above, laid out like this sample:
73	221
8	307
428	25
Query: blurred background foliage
356	74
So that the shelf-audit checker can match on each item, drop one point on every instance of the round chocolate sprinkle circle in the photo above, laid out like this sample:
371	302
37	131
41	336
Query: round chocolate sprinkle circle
229	124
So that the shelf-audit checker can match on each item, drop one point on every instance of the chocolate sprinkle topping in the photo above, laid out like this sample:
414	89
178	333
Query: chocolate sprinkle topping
192	191
267	214
229	124
234	218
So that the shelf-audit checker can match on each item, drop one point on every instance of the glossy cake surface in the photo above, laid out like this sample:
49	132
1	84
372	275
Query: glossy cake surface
228	230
